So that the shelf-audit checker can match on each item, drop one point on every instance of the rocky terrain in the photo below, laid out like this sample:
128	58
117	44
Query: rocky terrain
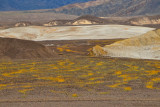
88	19
152	21
36	17
84	5
56	23
146	46
82	20
10	5
23	49
54	57
22	24
145	20
112	8
100	8
42	18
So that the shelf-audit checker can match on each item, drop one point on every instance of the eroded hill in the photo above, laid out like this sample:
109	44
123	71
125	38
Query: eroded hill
82	20
146	46
23	49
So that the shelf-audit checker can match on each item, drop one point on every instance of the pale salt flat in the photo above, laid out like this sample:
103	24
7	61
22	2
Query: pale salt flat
40	33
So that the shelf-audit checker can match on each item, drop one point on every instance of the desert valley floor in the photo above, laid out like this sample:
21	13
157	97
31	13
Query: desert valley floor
41	33
73	75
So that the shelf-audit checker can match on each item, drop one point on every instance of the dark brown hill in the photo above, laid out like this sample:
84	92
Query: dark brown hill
23	49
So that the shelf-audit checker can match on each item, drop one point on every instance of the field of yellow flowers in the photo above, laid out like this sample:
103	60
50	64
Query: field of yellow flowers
83	73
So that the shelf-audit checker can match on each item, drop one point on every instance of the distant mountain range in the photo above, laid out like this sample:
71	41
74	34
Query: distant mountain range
101	8
105	8
10	5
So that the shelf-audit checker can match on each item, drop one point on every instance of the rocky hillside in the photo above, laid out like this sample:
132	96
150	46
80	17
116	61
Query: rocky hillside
146	46
23	49
56	23
82	20
112	8
35	17
149	21
88	19
83	7
11	5
22	24
145	20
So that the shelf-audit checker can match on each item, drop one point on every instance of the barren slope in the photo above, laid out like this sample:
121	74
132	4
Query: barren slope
34	4
145	20
35	17
146	46
23	49
82	20
113	8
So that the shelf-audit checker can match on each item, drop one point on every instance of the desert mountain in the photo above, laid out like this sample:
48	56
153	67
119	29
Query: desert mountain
23	49
11	5
100	8
146	46
82	20
88	19
112	8
36	17
153	21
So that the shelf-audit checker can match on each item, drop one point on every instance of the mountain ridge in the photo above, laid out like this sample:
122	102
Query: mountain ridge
10	5
100	8
114	8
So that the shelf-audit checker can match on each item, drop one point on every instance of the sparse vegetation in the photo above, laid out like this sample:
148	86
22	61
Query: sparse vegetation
88	73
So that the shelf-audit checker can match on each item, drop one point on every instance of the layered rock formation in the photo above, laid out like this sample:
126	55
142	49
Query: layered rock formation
83	20
88	19
23	49
146	20
56	23
22	24
146	46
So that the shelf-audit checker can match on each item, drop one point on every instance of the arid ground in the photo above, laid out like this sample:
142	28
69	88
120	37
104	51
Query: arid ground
41	33
76	79
65	57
